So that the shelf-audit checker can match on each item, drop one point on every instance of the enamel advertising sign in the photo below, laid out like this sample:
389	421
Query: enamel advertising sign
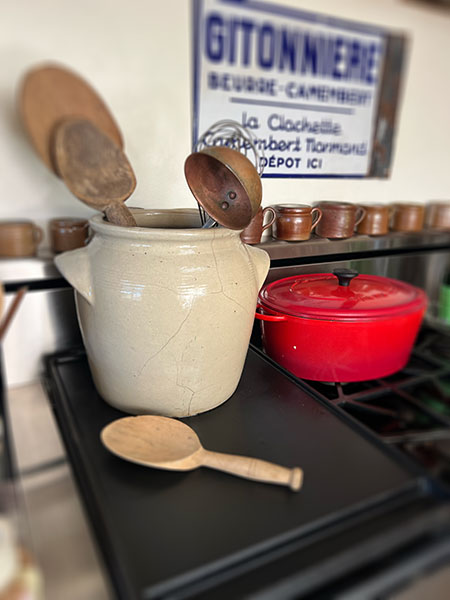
307	86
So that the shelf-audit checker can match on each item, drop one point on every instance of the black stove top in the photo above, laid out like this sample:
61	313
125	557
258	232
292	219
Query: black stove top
409	410
367	500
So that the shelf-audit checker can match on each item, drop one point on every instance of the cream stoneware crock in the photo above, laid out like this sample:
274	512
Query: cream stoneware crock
166	310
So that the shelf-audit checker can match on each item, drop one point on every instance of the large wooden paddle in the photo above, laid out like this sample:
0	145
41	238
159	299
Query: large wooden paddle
166	443
94	168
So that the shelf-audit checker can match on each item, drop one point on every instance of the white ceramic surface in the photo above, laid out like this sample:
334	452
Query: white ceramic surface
166	310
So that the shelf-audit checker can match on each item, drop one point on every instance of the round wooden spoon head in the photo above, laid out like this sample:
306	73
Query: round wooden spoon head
94	168
50	93
154	441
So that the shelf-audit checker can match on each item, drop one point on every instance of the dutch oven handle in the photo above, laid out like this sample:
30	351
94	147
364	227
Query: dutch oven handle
262	317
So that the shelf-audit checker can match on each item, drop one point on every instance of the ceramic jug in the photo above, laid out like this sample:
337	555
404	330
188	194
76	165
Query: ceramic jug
166	310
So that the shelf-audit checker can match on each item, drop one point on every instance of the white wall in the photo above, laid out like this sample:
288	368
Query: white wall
137	54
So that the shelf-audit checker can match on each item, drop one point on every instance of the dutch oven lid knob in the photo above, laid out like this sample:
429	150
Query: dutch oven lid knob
345	276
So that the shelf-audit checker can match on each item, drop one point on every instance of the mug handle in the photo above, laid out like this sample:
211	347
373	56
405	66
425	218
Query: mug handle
89	234
38	234
362	214
318	212
272	220
392	211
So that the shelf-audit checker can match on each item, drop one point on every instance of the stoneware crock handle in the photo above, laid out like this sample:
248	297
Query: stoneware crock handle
261	261
75	266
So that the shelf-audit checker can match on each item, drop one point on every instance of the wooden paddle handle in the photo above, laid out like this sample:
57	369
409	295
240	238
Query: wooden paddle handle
119	214
12	310
254	468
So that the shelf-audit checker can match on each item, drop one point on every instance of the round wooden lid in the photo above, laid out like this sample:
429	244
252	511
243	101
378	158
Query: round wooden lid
50	93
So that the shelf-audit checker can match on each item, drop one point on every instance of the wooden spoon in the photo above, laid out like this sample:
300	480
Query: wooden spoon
166	443
94	168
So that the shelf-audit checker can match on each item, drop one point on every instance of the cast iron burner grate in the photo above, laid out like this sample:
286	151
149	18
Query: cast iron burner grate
409	409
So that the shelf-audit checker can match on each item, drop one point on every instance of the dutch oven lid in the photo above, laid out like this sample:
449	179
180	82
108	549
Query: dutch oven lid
341	295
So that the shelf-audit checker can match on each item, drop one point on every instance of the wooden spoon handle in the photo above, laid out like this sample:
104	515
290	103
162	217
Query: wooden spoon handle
119	214
253	468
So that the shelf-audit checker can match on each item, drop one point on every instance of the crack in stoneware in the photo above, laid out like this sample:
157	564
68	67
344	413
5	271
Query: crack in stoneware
165	344
221	282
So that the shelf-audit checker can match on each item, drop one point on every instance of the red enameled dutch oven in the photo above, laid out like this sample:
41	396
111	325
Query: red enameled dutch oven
340	326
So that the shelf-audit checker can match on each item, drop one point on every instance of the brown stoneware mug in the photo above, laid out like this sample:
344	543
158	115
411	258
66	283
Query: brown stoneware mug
376	220
339	219
438	215
254	230
68	234
407	217
295	222
19	238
